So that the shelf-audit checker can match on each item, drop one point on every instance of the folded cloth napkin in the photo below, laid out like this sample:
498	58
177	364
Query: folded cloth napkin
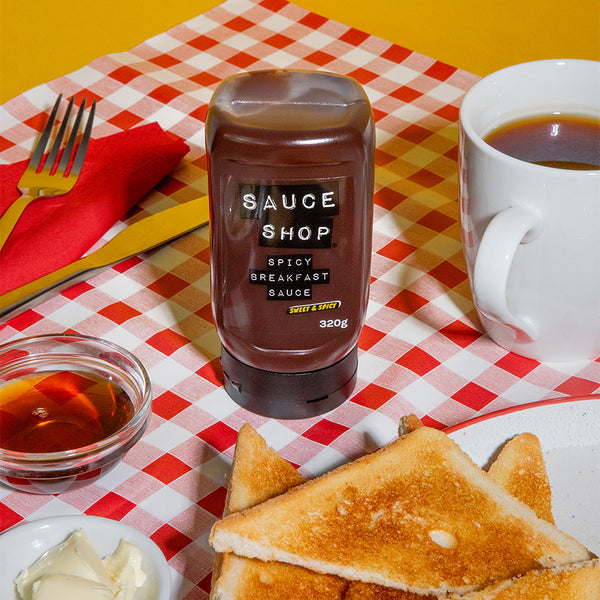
53	232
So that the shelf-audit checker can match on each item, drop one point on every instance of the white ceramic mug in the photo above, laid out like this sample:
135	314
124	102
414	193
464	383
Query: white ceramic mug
531	233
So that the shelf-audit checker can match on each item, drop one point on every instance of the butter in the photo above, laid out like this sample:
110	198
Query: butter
124	568
73	570
76	557
69	587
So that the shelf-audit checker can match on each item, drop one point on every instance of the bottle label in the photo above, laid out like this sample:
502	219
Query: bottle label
289	276
292	215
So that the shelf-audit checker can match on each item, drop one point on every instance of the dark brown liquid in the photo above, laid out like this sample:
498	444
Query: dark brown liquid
561	141
60	410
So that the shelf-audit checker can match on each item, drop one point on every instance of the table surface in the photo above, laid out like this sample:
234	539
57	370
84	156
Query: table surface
422	349
503	33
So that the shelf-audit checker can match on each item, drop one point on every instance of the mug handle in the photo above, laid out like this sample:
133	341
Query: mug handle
506	231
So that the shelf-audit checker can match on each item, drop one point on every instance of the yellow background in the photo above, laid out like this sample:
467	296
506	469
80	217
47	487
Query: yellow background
44	39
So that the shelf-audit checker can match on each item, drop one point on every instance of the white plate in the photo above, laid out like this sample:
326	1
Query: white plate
569	433
22	545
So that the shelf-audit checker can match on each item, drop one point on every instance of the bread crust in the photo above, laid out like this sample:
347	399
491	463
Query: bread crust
580	581
253	579
417	515
521	470
408	423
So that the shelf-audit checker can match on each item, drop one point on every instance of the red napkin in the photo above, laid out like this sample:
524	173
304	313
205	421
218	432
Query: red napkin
52	232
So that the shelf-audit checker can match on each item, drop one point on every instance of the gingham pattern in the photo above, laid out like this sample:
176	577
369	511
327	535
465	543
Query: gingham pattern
422	349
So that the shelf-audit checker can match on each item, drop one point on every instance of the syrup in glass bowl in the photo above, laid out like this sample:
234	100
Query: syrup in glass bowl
70	407
61	410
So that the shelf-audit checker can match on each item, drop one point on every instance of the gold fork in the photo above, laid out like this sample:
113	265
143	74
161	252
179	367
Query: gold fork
52	179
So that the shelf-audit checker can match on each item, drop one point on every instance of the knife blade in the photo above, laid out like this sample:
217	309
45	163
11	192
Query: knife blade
145	234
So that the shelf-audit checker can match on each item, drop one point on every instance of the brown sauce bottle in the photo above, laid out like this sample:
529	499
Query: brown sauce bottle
291	173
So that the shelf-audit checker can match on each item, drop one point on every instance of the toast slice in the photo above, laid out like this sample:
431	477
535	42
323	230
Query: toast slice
357	590
580	581
259	473
519	467
521	470
417	515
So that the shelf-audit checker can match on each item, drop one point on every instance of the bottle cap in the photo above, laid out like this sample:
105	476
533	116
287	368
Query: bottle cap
289	395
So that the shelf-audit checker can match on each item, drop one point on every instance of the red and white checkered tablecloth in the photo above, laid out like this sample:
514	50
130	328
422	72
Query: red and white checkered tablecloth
422	349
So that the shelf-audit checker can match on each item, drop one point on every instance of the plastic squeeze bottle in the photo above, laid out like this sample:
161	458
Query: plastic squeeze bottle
290	157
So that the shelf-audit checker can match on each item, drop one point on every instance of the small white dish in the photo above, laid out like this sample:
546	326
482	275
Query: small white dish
23	544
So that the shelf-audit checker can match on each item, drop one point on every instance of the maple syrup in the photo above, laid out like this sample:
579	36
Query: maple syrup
54	411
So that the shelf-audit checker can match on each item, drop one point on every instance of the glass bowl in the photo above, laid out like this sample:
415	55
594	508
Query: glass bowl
66	367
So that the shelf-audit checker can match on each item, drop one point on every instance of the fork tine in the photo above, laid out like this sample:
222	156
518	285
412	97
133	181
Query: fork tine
66	157
40	147
59	138
81	151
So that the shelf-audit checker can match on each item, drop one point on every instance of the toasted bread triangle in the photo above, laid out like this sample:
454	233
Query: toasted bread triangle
519	467
521	470
259	473
580	581
254	579
417	515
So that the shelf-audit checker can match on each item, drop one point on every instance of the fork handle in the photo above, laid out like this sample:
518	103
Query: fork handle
11	215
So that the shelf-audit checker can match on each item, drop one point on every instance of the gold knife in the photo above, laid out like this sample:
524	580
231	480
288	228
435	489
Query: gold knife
145	234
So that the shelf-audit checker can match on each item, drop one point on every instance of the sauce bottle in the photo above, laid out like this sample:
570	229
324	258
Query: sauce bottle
291	171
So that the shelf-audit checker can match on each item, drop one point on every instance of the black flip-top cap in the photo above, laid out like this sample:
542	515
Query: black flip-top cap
289	395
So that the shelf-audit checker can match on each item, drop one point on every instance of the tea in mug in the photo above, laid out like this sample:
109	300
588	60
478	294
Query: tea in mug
562	141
